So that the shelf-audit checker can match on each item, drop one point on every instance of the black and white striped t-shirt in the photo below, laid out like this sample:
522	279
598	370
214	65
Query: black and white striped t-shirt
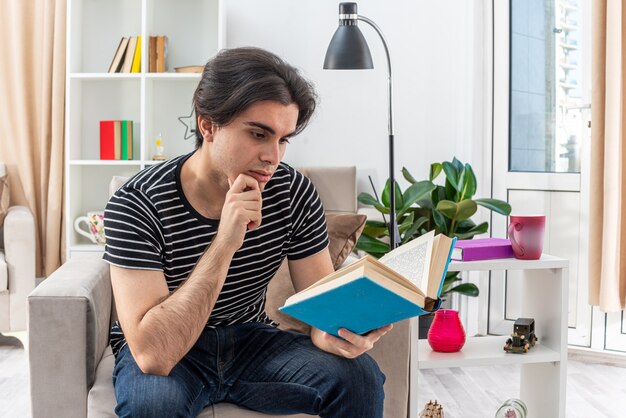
149	224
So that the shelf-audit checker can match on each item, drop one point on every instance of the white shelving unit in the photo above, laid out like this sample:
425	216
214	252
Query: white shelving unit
543	369
153	101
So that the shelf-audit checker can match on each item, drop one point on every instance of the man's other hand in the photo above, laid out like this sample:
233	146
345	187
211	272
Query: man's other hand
352	345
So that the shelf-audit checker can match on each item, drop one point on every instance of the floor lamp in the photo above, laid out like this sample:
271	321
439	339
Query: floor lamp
348	50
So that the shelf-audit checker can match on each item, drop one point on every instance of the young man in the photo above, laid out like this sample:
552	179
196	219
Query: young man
193	243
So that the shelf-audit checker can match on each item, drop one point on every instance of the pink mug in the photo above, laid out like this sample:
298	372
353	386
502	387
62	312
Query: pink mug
526	235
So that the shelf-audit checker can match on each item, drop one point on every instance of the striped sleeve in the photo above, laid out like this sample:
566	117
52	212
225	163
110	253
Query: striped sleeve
309	234
133	237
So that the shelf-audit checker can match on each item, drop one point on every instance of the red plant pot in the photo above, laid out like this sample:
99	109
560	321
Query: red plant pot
446	333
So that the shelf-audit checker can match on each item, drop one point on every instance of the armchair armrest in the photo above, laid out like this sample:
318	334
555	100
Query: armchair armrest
391	353
68	330
19	253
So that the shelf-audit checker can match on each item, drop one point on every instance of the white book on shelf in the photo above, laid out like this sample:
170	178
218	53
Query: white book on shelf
129	55
119	55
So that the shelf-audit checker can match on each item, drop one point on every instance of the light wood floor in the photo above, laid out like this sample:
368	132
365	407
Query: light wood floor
593	390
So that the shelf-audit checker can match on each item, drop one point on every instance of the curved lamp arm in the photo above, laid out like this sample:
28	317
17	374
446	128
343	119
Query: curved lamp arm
382	38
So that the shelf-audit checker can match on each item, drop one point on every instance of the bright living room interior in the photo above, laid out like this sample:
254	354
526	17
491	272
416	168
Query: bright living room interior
456	94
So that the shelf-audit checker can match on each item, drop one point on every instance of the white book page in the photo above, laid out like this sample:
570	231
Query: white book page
412	260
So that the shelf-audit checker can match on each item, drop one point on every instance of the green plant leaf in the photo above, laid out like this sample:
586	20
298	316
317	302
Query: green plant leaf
415	192
461	183
437	195
375	229
465	224
382	209
495	205
457	211
465	209
375	224
371	245
406	223
417	224
398	195
408	177
440	222
450	192
469	188
476	230
367	199
447	208
452	174
467	289
435	169
457	164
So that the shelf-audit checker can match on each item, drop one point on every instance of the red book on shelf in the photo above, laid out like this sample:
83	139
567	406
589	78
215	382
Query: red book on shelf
107	139
482	249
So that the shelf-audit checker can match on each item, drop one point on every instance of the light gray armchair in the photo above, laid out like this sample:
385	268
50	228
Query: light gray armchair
17	266
71	311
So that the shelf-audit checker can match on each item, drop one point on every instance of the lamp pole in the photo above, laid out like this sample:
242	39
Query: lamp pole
394	234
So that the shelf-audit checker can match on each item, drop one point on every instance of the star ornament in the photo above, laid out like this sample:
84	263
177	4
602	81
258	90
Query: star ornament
190	124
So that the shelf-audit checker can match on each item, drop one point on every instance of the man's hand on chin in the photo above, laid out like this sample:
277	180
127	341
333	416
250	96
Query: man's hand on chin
352	345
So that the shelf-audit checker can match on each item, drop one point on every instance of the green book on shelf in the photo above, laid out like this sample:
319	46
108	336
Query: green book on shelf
127	140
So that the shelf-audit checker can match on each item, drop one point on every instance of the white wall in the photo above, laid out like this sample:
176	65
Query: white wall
438	65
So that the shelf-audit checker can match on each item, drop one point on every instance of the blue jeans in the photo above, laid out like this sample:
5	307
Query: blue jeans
255	366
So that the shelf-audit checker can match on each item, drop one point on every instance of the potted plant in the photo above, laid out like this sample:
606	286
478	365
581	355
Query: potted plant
425	206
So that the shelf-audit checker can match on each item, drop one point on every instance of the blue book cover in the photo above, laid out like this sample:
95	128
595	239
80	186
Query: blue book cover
367	295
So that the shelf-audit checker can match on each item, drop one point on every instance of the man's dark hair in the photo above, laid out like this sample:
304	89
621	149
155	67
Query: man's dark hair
237	78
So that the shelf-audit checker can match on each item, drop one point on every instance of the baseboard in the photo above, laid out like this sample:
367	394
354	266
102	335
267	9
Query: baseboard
588	355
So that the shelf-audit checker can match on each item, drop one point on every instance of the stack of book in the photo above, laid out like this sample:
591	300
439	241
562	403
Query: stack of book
116	139
127	58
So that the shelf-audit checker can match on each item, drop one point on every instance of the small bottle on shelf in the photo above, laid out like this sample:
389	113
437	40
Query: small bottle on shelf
158	143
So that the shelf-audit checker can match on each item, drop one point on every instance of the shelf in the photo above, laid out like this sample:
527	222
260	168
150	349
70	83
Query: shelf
104	76
131	76
482	351
104	162
545	262
174	76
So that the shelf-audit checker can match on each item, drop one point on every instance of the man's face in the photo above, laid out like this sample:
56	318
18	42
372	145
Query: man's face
254	142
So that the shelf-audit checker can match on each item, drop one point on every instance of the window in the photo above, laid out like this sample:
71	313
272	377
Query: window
546	94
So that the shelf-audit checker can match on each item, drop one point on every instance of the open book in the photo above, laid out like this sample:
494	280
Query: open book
370	293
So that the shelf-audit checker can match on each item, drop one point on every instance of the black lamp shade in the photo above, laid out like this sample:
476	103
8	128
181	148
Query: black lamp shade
348	50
